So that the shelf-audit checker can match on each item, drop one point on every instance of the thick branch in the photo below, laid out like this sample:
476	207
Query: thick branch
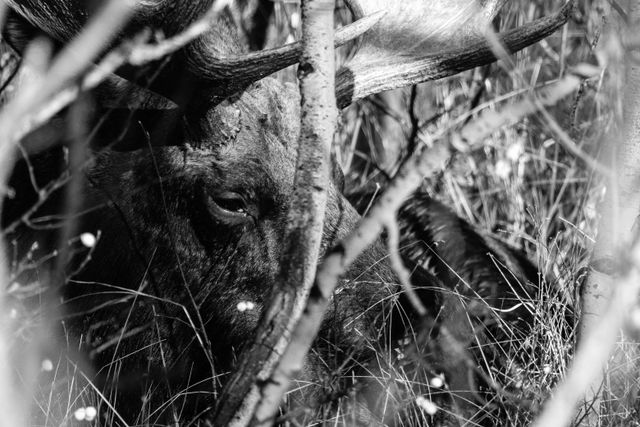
67	66
247	388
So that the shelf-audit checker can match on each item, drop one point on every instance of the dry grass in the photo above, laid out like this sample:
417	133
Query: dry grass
524	186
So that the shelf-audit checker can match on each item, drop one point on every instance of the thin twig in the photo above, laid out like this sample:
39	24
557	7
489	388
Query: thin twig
70	63
404	276
45	94
135	52
424	162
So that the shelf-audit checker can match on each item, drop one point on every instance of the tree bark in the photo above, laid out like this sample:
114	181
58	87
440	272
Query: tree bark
424	162
304	230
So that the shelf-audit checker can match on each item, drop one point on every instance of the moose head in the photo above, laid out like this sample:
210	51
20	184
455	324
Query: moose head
189	186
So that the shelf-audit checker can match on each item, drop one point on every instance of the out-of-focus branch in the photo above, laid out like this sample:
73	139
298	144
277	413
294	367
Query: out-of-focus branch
611	289
67	66
424	162
550	95
44	89
79	53
135	52
248	396
595	347
29	109
32	93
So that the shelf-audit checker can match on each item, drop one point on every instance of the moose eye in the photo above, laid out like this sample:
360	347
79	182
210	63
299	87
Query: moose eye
232	202
229	207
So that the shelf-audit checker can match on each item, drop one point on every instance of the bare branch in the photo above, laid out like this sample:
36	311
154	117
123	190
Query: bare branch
68	65
135	52
248	396
491	120
404	276
424	162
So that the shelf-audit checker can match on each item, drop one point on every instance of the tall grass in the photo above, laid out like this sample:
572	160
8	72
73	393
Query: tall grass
524	186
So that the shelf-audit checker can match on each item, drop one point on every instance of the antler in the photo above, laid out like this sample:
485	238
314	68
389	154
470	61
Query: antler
215	60
415	41
421	40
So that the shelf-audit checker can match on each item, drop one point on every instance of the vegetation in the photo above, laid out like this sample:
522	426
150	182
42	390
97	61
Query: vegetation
535	185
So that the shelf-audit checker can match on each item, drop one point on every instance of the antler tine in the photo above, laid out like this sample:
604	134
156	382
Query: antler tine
205	60
448	40
416	41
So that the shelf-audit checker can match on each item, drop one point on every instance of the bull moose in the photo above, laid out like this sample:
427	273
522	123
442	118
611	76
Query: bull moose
187	183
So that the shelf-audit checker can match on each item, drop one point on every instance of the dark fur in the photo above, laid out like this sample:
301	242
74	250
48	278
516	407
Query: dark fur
192	264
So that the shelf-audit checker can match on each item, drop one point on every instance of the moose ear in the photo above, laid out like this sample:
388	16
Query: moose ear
118	129
124	129
117	92
133	117
128	118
